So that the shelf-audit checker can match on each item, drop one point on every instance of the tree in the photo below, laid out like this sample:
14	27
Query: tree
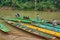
31	4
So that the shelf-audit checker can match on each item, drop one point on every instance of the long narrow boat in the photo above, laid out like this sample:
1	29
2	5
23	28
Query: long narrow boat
30	30
29	20
4	28
48	26
16	20
57	34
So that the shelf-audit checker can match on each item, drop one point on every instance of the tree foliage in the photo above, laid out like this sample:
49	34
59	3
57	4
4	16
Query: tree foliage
31	4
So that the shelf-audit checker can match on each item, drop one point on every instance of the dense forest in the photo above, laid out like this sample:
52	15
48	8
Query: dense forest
31	4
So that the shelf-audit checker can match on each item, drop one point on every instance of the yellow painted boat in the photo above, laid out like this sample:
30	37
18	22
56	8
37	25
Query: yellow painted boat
57	34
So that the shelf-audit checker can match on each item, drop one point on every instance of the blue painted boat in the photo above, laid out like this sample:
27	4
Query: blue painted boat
48	26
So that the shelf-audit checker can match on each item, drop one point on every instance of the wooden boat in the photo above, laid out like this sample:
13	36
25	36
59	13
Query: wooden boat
4	28
22	20
26	20
11	19
30	29
29	20
57	34
47	26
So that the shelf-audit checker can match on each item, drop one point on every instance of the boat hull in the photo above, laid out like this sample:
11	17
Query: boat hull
33	31
4	28
49	27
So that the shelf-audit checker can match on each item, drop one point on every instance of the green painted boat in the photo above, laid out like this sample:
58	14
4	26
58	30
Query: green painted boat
30	30
16	20
4	28
30	20
12	19
25	20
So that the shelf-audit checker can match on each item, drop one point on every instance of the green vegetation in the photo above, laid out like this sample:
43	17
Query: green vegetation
31	4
